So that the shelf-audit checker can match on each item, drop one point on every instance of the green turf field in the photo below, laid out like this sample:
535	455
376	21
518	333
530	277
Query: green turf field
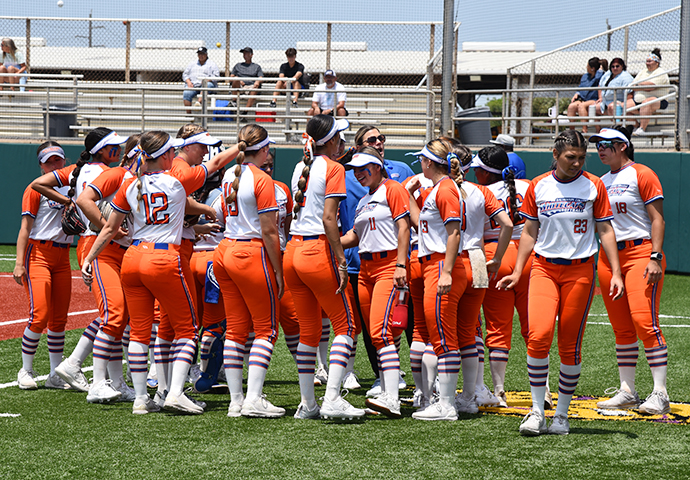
59	435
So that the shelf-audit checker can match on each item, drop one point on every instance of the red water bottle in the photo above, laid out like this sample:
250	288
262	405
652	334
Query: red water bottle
399	320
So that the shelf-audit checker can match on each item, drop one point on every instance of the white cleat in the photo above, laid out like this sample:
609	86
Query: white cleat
54	381
657	403
417	398
181	403
102	392
303	412
261	408
385	404
466	405
375	389
560	425
25	379
340	409
196	402
144	406
485	398
533	424
436	411
502	399
235	409
351	382
621	400
73	375
127	392
321	376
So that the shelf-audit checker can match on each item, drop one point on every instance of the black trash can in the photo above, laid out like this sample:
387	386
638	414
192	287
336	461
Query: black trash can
474	133
60	121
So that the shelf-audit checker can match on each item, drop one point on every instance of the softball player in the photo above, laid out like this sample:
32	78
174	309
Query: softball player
316	269
637	200
152	267
251	294
43	268
382	232
561	208
439	225
492	170
102	147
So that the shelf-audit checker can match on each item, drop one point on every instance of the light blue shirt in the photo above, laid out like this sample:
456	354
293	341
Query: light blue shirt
622	80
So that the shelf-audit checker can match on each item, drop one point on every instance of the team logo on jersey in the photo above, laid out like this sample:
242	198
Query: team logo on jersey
617	190
562	205
55	205
369	207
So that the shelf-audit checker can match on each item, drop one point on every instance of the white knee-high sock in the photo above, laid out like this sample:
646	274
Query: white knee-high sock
498	363
448	371
322	349
184	357
29	346
658	362
351	360
390	369
233	361
340	353
85	343
259	359
416	352
627	356
429	370
470	365
56	346
102	346
538	371
567	382
138	359
292	341
248	347
161	355
204	351
115	363
306	359
479	343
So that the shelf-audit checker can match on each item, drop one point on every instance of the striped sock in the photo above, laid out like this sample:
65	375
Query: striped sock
322	349
351	360
248	347
306	359
115	363
56	346
498	363
137	358
184	357
259	358
29	346
448	370
102	347
429	370
567	382
397	340
538	371
416	352
162	357
205	350
658	362
470	365
233	361
125	346
479	343
390	369
341	349
627	356
85	343
292	341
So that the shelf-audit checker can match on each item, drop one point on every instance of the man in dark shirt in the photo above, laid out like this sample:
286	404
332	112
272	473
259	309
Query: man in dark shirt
288	70
247	69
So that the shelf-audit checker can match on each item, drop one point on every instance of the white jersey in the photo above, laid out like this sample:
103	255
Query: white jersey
419	195
106	185
179	164
88	173
566	212
376	215
443	204
480	205
284	201
255	195
630	189
326	180
210	241
159	216
500	191
47	216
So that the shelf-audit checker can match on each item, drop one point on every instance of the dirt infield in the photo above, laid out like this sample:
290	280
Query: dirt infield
15	306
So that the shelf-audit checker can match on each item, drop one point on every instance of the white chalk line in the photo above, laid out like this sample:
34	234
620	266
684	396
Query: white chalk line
7	275
11	322
38	379
11	415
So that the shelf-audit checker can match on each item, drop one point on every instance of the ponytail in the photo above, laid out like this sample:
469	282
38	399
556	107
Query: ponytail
308	159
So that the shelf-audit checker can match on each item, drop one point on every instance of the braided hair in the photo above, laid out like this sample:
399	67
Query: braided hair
91	140
495	157
132	142
317	128
249	135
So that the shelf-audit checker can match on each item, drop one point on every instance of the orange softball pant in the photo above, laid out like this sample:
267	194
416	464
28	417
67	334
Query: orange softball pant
249	289
107	290
154	271
210	313
48	284
415	280
311	273
165	329
559	290
288	315
499	305
84	245
440	311
636	315
377	295
469	307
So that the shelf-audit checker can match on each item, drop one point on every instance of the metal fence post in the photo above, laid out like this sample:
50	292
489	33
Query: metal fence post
533	67
329	35
47	121
128	40
204	102
227	49
28	44
625	44
682	101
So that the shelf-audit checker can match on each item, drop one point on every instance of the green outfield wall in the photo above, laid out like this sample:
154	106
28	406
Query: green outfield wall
20	167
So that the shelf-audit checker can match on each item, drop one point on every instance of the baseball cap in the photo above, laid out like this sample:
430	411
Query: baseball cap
329	73
247	50
51	151
362	159
609	134
202	50
503	139
204	138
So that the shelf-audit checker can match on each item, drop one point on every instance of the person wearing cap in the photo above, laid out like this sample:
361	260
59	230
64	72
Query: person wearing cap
151	266
506	142
329	97
648	95
637	198
42	267
194	73
247	69
291	69
316	268
382	232
249	270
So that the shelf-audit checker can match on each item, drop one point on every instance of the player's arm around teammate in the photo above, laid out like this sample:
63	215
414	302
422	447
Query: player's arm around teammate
638	219
42	267
561	208
382	231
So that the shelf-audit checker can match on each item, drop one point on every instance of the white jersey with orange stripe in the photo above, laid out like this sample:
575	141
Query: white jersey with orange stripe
376	217
211	240
419	195
444	204
480	204
47	216
88	173
108	183
284	201
500	190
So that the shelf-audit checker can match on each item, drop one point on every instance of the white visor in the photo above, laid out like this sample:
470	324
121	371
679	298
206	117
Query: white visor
362	159
338	126
51	151
426	153
609	134
111	139
477	163
204	138
171	143
259	145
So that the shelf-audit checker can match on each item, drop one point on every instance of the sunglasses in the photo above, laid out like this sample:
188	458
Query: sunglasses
615	65
372	140
606	144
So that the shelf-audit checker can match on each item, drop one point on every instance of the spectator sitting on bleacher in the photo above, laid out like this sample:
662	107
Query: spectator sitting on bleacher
12	62
324	101
617	76
292	68
649	94
506	142
247	69
581	101
193	74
